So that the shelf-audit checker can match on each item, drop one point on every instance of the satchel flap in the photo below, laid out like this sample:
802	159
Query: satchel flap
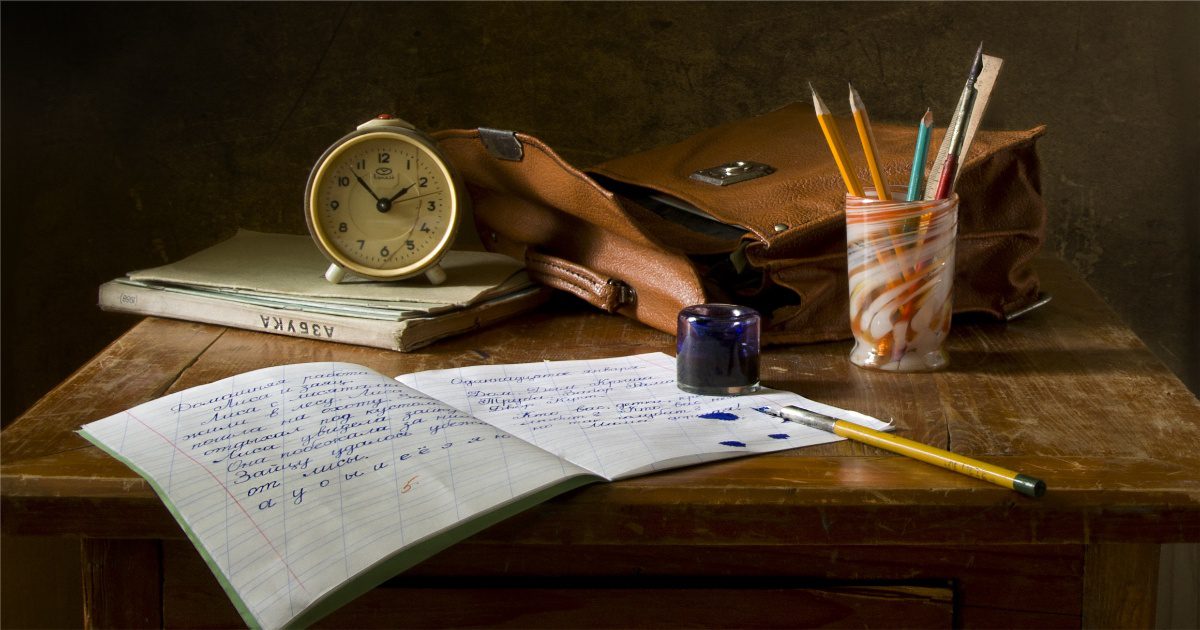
538	176
805	191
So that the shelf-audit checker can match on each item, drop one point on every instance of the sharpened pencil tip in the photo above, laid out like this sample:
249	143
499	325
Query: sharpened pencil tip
927	119
818	104
856	103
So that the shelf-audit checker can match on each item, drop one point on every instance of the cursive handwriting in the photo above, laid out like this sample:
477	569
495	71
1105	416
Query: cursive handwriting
285	438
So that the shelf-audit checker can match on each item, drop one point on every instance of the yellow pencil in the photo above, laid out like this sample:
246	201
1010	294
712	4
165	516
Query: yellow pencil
867	138
1004	477
835	144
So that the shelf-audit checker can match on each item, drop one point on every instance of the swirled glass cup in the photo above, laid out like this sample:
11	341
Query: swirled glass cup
900	256
717	350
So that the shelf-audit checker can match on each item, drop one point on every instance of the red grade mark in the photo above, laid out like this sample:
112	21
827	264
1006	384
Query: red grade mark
408	485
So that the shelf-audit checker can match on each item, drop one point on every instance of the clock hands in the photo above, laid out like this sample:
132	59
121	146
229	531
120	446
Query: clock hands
384	204
401	192
364	185
381	204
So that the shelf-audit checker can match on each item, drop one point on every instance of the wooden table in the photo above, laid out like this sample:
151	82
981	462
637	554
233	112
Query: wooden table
833	534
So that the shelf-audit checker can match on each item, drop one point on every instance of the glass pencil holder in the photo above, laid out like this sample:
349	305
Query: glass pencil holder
717	350
900	260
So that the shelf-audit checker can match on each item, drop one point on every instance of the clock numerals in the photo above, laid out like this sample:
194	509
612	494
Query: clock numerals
384	206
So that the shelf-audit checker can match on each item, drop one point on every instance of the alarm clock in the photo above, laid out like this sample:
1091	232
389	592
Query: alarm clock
384	203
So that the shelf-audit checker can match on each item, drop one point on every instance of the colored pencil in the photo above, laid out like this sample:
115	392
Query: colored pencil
834	139
962	115
916	183
1011	479
867	137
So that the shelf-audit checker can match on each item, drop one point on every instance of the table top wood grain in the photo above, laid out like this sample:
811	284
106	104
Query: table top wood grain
1067	394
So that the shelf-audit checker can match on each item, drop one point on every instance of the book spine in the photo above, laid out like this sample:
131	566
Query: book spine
125	298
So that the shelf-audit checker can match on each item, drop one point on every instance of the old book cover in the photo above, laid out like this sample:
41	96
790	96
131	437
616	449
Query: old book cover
274	283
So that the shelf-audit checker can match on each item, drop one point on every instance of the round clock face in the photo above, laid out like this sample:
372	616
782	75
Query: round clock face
382	204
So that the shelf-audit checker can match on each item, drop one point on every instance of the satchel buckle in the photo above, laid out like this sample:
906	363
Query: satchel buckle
502	144
732	172
623	294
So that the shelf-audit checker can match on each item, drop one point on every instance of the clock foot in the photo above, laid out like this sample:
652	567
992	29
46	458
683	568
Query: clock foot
436	275
335	274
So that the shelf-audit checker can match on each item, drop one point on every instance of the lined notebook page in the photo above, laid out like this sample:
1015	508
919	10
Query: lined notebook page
292	480
623	416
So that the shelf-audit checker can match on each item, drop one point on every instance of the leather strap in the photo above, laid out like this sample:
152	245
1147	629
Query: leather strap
607	294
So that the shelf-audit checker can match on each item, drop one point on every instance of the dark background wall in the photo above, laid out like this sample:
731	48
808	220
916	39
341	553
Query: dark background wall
135	134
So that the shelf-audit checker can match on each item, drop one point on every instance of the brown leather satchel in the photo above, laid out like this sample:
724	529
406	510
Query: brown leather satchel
645	235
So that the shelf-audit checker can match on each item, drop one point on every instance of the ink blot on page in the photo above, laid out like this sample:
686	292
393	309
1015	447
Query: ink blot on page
306	484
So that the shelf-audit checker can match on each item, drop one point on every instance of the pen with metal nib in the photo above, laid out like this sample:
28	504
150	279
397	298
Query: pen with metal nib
958	128
1004	477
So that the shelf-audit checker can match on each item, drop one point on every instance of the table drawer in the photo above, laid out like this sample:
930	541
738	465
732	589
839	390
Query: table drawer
193	599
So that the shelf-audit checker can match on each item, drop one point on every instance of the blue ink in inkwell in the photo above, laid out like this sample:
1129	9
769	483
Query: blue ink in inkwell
717	350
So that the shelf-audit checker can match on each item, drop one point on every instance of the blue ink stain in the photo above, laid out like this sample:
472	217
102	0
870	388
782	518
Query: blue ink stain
719	415
733	443
778	436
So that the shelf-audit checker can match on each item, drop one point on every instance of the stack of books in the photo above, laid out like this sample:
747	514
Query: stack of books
274	283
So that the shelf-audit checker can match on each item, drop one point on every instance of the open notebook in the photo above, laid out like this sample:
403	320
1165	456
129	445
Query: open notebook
303	486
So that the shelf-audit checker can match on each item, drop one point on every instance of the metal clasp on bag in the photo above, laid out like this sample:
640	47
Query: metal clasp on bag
732	173
502	144
623	294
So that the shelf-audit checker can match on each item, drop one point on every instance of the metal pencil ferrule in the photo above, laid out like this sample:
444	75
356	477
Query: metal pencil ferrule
808	418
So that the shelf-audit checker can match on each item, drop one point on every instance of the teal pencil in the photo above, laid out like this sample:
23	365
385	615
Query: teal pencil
916	182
